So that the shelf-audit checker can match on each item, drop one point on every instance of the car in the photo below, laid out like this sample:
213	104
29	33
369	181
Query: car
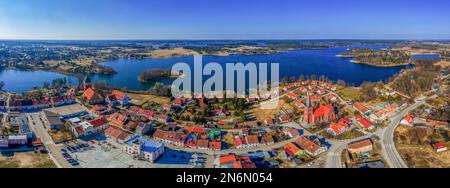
74	164
63	150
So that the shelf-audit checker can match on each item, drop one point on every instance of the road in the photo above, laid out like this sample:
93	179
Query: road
37	123
389	151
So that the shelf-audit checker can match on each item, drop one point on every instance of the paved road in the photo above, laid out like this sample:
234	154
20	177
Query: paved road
37	123
389	151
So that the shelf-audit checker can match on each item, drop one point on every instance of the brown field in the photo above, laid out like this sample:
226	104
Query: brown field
420	154
27	160
262	114
166	53
141	99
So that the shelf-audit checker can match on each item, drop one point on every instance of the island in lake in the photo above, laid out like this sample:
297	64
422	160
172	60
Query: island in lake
150	75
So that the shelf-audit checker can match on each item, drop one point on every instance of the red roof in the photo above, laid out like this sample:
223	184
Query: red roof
364	122
252	139
307	144
99	122
292	95
118	94
439	145
328	109
89	93
316	98
215	145
360	107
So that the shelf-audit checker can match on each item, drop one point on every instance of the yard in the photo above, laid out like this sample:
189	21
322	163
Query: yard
349	93
26	160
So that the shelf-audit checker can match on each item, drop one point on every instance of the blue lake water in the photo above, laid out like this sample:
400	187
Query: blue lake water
292	63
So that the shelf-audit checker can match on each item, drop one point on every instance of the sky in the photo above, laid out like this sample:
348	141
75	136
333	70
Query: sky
224	19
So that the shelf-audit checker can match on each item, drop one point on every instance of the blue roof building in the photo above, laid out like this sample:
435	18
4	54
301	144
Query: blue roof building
143	148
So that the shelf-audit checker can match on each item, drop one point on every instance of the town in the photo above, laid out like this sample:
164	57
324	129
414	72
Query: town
317	123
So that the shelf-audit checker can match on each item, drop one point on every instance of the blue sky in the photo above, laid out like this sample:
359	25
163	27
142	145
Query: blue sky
224	19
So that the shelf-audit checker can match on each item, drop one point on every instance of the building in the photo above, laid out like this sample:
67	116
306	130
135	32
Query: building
53	119
361	108
168	137
235	161
363	122
338	128
292	150
118	98
361	146
116	134
323	113
310	147
408	120
92	97
144	148
439	146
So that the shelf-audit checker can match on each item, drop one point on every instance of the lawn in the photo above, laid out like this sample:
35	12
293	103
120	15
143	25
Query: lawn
349	93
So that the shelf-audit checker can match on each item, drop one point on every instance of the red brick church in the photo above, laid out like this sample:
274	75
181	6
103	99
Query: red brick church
323	113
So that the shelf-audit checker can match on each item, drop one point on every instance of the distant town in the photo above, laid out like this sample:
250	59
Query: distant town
318	122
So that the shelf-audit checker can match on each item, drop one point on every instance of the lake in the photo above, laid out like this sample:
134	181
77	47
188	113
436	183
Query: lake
292	63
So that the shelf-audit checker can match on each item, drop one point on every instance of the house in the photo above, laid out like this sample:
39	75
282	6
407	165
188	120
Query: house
118	98
162	118
118	119
54	121
310	147
361	108
92	97
292	150
439	146
116	134
323	113
316	98
203	144
361	146
240	143
284	118
408	120
215	145
143	129
251	123
144	148
332	97
269	121
321	91
168	137
341	126
292	132
383	114
363	122
235	161
299	104
252	140
292	95
99	124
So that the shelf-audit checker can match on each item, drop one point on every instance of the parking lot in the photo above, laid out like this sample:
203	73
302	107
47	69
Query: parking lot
107	154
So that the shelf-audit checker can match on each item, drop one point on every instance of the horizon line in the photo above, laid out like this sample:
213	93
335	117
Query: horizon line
392	39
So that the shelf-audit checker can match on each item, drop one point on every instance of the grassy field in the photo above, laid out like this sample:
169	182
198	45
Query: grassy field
141	99
27	160
420	154
349	93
